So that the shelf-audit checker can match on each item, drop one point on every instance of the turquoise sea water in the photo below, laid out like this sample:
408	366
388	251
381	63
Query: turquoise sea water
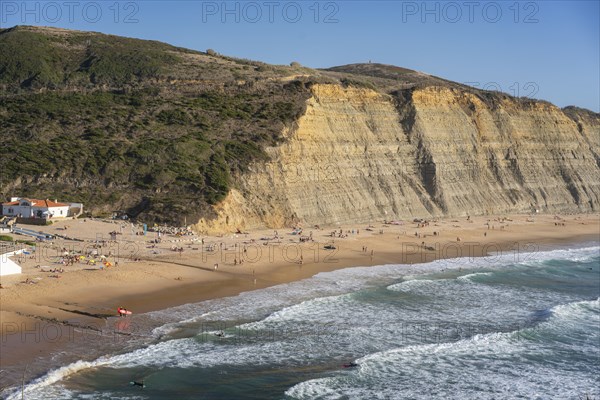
523	326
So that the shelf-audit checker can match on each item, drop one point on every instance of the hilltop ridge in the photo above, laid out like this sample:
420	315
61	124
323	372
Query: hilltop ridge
171	134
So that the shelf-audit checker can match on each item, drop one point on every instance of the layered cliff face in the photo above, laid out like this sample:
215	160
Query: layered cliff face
507	156
357	155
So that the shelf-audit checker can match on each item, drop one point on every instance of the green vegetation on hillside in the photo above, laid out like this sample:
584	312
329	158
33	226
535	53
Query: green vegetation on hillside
77	58
122	129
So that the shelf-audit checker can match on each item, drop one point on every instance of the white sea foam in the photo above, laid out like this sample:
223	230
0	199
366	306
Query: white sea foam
258	304
470	277
415	285
578	320
326	299
499	365
56	376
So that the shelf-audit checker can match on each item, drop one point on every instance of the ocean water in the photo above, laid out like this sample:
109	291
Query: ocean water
510	326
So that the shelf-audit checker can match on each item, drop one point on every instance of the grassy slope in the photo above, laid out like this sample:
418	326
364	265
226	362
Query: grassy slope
131	124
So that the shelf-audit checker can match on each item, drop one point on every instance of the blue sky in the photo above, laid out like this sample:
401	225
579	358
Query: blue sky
540	49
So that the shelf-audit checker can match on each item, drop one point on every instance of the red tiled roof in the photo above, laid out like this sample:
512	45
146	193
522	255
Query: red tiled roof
37	203
49	203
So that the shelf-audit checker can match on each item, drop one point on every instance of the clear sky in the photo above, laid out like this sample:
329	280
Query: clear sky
542	49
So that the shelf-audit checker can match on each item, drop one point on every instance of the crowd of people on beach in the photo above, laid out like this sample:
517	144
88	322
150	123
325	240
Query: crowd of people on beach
341	234
177	249
172	230
53	270
93	254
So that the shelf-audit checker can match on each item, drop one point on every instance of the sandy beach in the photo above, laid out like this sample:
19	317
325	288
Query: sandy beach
142	275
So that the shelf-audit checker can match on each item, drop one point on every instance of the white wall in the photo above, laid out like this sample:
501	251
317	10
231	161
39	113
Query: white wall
54	211
27	211
75	209
8	266
16	210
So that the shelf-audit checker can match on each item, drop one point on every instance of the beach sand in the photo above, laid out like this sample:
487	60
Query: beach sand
85	295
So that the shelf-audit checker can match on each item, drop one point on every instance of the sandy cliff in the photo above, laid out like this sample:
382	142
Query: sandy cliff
357	155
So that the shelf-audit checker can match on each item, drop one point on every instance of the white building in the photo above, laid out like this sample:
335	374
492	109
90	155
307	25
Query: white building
34	208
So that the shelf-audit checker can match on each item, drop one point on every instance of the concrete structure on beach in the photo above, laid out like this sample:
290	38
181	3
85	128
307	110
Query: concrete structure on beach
8	266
